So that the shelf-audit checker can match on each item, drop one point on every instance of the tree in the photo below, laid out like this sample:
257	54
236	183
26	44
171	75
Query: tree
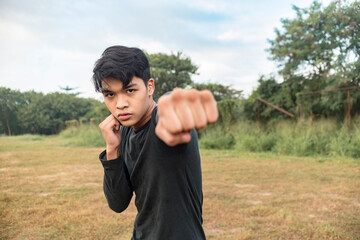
319	40
8	105
36	113
220	92
46	114
170	71
267	89
320	49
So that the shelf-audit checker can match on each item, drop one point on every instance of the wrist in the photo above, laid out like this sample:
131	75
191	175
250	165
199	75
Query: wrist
112	153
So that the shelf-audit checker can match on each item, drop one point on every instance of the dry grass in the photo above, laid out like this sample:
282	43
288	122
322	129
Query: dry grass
49	191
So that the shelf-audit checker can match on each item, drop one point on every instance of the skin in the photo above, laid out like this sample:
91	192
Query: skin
179	112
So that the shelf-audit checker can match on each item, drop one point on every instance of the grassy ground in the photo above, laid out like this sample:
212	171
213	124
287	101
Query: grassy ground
49	190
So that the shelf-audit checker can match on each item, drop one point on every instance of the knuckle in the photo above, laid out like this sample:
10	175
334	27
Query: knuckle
176	128
192	95
201	125
171	142
189	127
213	117
206	96
163	100
172	127
177	94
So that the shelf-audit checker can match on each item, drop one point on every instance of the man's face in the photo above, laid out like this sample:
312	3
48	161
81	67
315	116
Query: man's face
130	105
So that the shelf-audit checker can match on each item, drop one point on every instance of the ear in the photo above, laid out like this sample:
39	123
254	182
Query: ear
151	87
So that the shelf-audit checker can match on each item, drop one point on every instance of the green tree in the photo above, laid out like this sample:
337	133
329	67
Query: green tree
319	50
98	112
46	114
319	40
9	102
38	113
220	92
170	71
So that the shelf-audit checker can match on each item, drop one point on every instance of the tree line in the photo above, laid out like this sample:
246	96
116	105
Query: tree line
38	113
317	50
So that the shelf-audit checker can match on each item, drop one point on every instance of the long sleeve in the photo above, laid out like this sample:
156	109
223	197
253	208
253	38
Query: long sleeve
117	186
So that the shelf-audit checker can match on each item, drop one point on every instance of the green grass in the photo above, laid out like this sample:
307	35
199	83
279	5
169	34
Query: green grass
305	138
86	135
51	190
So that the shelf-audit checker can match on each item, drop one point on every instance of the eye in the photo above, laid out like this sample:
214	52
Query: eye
131	90
108	95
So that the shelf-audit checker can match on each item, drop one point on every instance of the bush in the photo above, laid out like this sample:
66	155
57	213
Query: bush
304	138
258	142
220	142
87	135
70	123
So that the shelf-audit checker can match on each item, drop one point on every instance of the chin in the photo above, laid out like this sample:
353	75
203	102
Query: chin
127	123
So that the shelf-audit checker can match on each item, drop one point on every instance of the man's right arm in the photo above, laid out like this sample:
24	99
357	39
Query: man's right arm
117	185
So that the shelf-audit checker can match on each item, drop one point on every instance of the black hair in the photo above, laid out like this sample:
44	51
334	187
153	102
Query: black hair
122	63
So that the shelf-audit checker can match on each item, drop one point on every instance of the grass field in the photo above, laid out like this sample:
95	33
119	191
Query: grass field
49	190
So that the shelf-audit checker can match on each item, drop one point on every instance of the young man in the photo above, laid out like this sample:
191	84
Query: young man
152	149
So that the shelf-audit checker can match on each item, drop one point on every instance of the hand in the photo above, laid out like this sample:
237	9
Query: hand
110	130
182	111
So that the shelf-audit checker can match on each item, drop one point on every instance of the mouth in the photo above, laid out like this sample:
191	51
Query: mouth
124	116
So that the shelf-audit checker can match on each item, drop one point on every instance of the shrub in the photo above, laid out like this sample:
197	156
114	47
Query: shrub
304	138
87	135
219	142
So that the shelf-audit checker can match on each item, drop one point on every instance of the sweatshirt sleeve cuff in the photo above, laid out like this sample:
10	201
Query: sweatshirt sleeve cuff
109	164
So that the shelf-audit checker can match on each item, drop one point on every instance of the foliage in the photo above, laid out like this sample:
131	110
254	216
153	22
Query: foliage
88	135
219	91
97	113
170	71
282	95
9	102
218	142
303	138
46	114
317	50
38	113
318	40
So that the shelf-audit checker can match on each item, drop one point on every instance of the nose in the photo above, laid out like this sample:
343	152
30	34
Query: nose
121	102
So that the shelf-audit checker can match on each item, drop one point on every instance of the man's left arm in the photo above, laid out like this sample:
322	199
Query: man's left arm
182	111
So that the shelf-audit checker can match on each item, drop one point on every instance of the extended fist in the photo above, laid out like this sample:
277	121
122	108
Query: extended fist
183	110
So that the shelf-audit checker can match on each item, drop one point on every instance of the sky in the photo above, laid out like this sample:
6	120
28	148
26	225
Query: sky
48	44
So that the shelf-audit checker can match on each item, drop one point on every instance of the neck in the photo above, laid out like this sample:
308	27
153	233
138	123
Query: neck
147	116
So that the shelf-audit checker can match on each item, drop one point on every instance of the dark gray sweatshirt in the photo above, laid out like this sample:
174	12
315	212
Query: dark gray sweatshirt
166	181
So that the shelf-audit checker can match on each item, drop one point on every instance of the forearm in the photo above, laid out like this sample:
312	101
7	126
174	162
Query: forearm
116	185
112	153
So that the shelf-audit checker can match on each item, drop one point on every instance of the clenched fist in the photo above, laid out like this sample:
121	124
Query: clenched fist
110	130
182	111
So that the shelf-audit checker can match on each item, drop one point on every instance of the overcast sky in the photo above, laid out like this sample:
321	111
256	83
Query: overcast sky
45	44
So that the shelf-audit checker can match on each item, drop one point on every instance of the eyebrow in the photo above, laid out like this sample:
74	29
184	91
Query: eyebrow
130	86
105	90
